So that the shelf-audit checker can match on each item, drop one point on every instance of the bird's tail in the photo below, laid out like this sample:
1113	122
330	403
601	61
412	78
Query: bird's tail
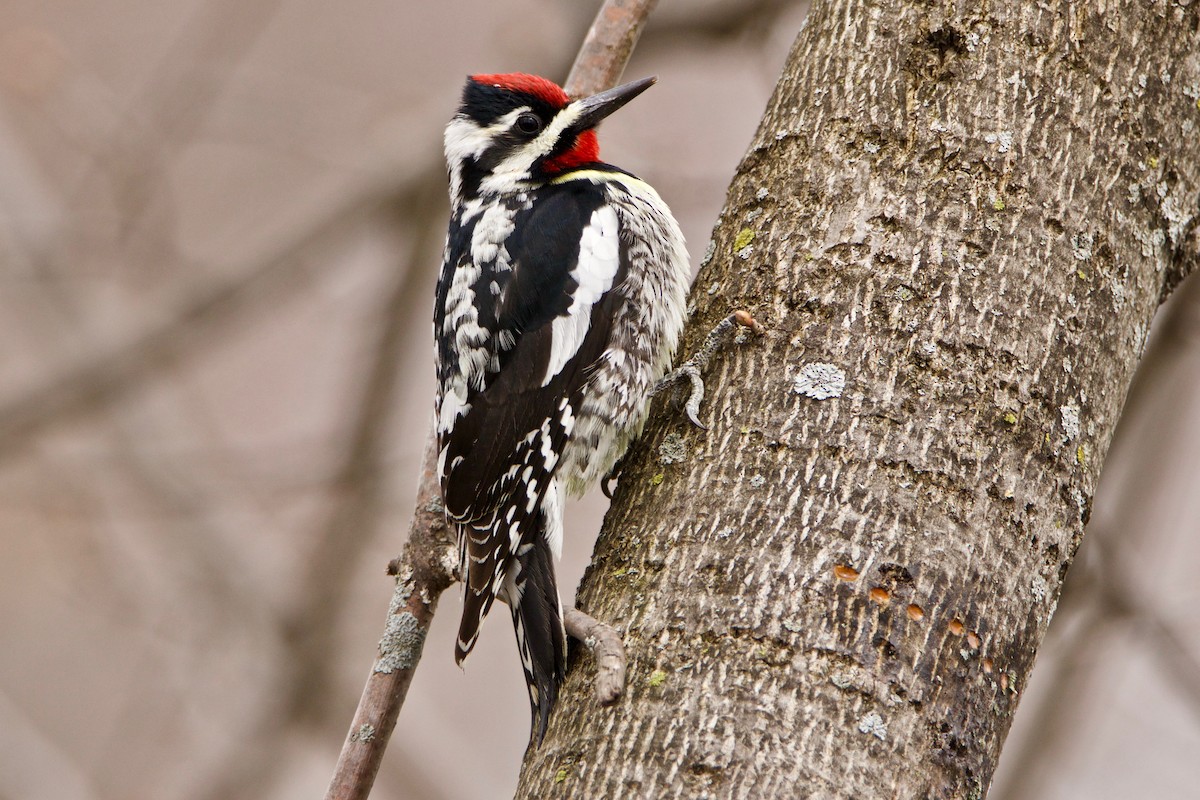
483	560
524	580
538	619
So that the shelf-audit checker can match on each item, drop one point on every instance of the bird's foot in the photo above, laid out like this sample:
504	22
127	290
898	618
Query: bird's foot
693	368
609	653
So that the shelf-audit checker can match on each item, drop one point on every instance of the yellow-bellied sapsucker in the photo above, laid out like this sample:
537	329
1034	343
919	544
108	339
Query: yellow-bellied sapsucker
560	301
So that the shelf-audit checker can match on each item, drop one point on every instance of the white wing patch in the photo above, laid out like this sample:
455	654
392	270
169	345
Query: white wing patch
599	259
552	508
454	404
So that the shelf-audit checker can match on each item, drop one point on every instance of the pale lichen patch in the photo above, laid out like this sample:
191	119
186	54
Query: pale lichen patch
819	381
1081	245
673	449
842	680
1118	294
871	723
405	587
1178	220
1038	588
1003	140
1070	420
400	647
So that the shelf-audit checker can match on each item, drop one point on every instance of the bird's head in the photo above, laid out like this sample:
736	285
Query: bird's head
515	131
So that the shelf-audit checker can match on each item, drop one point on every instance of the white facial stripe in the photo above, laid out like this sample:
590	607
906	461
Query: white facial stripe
465	139
510	173
520	161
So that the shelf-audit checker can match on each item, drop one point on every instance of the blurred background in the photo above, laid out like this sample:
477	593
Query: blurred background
220	226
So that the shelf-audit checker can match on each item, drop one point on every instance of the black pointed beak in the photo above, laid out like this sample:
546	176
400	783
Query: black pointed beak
599	106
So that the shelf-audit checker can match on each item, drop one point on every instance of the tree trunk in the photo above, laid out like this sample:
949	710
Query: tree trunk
957	224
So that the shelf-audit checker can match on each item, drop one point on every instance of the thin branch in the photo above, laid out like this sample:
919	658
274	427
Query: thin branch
426	567
423	571
608	45
359	479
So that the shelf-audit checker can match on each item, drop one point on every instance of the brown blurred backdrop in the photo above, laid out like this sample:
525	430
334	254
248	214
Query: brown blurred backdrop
219	231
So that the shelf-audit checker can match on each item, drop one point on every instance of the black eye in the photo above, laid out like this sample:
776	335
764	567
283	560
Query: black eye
529	123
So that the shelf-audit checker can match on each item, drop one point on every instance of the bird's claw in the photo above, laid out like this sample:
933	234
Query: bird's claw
693	366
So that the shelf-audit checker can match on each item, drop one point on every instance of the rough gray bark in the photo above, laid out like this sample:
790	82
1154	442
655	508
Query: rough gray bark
957	224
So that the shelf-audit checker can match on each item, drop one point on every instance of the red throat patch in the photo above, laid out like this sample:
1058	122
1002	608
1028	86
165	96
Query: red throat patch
539	87
586	150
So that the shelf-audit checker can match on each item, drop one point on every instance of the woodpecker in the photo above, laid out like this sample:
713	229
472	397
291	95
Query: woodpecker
559	305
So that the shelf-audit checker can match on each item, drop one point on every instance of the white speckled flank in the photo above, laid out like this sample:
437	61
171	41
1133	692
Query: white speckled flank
644	335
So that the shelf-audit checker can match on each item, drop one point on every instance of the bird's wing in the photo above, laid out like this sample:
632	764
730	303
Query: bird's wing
525	340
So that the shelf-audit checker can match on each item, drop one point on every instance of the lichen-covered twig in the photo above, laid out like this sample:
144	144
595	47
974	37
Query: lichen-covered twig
694	367
423	571
606	648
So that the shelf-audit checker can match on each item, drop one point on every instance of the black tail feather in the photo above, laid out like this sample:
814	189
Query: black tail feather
481	580
538	620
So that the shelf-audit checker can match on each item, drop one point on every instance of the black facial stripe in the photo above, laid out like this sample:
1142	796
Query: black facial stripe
485	103
566	140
